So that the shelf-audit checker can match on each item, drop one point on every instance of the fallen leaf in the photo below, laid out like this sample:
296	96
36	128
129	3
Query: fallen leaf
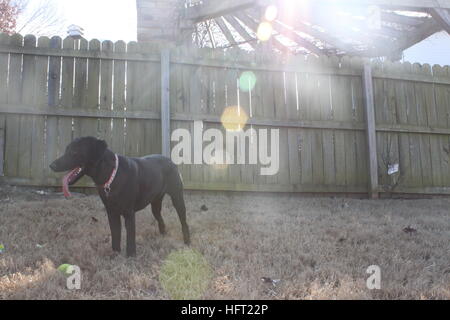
409	229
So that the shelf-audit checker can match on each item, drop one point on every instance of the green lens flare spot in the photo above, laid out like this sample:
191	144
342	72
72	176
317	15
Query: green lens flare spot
247	81
185	275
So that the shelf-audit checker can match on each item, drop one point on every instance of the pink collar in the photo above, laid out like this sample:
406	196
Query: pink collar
107	185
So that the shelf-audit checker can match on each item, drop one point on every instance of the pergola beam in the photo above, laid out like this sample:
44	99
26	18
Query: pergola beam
211	37
382	31
210	9
401	19
227	33
442	16
402	4
254	26
321	36
321	19
284	31
241	30
427	29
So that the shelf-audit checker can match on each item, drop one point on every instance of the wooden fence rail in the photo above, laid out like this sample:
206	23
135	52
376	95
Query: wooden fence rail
344	123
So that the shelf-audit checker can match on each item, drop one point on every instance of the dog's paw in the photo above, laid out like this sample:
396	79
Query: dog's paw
131	255
113	255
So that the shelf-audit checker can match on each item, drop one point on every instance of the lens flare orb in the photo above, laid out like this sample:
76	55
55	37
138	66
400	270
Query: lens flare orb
234	118
247	81
264	31
271	13
185	275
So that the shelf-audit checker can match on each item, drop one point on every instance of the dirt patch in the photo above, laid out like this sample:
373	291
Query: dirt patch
319	248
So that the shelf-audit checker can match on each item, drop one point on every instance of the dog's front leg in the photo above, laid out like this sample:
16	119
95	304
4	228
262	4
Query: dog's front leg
130	226
116	226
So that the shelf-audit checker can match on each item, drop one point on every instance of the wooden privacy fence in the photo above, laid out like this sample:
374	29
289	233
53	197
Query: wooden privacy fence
134	95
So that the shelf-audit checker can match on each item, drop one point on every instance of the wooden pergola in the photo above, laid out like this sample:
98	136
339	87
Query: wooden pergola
370	28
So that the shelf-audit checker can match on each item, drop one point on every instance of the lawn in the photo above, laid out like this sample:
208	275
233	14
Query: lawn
319	248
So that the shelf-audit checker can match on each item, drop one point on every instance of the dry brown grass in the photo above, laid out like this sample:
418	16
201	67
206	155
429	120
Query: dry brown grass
319	247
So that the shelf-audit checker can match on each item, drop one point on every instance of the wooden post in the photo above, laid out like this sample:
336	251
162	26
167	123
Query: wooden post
371	130
4	62
2	144
165	101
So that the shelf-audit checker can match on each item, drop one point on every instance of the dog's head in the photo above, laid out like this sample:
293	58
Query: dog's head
80	154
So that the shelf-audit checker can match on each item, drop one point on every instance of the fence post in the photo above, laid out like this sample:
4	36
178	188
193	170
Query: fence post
4	40
2	143
165	101
369	106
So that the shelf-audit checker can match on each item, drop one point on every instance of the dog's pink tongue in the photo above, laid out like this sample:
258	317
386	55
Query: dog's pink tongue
65	182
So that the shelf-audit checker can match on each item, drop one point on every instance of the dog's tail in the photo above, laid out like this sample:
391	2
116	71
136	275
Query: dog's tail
175	176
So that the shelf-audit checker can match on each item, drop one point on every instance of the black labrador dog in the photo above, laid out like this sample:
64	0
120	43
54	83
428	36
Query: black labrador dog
125	185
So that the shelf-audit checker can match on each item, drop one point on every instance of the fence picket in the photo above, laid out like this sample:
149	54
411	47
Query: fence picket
39	163
65	129
54	87
106	92
118	127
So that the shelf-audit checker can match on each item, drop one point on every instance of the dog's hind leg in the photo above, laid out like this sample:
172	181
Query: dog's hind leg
130	226
178	203
156	210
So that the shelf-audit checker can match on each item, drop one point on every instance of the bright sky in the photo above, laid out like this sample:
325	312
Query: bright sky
116	20
434	50
102	19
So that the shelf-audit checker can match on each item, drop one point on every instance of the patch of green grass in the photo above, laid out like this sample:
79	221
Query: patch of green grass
185	274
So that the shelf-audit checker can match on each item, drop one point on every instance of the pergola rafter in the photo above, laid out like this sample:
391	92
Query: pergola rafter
286	32
442	16
217	8
421	33
227	33
241	30
402	20
253	25
327	38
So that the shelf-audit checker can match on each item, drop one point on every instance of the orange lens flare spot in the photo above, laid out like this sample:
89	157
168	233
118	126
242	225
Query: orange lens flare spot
234	118
264	31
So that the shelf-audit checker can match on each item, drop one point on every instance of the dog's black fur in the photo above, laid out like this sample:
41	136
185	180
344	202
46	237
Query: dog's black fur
138	183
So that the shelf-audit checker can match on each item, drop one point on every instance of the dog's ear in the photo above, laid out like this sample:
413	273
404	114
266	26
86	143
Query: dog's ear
99	147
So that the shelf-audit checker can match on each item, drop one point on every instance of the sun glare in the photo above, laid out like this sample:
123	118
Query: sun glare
271	13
